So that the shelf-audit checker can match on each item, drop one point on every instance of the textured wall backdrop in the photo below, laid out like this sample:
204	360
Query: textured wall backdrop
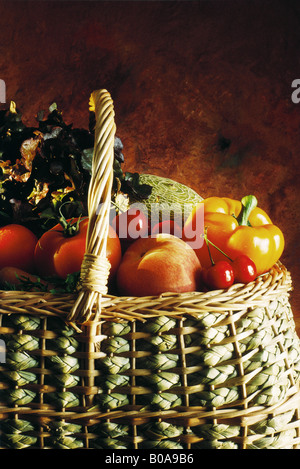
202	89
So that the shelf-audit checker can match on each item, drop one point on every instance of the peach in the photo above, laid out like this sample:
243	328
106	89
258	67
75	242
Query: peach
157	264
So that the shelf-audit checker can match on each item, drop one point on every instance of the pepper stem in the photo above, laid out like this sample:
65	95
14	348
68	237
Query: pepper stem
249	202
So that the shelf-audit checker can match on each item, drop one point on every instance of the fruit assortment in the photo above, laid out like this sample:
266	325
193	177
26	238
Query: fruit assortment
217	242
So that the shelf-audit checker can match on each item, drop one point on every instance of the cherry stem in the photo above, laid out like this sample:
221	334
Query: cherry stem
208	242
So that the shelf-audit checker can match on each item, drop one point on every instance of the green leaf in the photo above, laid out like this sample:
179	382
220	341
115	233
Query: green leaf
87	159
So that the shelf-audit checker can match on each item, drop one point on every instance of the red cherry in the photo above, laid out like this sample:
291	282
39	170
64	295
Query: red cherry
244	269
218	276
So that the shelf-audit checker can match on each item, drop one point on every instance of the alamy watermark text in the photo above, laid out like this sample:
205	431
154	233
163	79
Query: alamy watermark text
2	92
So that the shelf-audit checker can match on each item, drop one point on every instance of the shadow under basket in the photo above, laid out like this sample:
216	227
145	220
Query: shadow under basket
213	370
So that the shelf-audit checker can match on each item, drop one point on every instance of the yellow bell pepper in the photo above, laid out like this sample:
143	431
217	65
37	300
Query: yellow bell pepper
237	228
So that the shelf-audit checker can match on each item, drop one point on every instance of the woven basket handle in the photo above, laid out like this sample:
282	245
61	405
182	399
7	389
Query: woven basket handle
95	266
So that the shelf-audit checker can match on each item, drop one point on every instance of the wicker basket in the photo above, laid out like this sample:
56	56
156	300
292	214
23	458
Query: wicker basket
215	370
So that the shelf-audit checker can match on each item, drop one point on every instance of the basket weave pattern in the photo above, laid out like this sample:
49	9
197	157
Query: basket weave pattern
215	370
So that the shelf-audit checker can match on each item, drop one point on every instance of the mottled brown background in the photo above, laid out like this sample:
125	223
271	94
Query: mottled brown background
202	90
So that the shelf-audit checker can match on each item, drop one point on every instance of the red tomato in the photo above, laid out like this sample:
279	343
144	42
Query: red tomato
130	225
17	244
167	226
57	255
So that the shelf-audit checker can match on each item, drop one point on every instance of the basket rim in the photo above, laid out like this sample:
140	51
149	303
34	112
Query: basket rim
257	293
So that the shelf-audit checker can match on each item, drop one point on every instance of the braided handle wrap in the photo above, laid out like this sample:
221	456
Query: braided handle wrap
95	266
